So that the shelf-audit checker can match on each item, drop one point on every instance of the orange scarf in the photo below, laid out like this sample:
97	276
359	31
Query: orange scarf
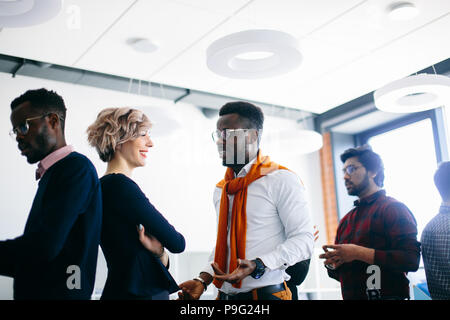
237	186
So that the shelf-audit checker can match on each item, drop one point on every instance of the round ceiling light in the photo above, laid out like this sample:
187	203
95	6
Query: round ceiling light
413	94
142	45
253	54
25	13
402	11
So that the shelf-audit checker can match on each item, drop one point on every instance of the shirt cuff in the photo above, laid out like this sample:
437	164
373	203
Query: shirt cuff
379	258
272	263
208	269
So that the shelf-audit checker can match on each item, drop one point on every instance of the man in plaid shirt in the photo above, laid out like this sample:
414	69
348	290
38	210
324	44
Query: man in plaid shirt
378	231
436	240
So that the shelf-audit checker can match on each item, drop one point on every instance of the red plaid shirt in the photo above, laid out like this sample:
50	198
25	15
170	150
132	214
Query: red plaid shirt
386	225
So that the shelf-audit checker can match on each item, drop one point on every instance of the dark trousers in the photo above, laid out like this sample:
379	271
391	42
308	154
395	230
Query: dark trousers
163	295
294	290
298	274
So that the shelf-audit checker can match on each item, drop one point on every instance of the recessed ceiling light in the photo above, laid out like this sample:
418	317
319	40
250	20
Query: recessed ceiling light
25	13
142	45
413	94
402	11
253	54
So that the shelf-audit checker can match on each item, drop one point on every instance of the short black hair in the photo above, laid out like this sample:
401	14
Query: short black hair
442	180
43	100
246	110
369	159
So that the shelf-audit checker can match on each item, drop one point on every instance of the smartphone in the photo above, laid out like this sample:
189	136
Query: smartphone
329	266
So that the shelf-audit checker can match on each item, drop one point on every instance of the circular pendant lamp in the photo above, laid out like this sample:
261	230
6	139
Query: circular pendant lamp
25	13
254	54
413	94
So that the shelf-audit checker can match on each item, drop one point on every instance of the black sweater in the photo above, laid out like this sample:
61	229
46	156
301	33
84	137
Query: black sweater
62	231
132	269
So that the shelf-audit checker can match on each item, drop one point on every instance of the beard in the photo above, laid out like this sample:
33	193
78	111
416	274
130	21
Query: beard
356	190
41	146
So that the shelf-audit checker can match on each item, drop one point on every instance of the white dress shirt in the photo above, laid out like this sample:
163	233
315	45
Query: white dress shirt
279	227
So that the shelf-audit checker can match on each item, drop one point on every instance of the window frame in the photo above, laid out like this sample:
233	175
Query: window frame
438	125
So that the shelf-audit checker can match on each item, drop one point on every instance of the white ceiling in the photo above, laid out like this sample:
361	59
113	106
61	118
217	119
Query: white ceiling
366	122
349	47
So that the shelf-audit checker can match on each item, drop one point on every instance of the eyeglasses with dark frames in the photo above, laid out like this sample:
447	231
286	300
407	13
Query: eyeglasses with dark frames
350	169
25	127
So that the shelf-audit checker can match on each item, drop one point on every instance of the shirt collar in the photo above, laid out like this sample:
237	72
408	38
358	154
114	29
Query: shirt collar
51	159
370	199
243	172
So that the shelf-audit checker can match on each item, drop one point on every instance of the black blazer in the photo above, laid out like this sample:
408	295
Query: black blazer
133	271
62	230
298	273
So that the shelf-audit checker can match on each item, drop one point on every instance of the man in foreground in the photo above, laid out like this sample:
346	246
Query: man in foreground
56	256
264	224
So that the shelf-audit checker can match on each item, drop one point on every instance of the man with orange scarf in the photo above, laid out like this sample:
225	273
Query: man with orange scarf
264	224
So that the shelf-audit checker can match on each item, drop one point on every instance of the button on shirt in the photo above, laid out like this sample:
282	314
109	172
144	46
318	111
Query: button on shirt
436	254
279	227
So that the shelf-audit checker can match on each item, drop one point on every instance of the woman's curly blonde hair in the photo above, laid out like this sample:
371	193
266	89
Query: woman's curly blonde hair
115	126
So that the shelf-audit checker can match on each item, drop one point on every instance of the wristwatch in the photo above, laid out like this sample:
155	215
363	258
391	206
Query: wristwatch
205	286
259	269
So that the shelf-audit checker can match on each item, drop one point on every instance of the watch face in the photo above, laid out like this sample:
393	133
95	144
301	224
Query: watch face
259	270
261	273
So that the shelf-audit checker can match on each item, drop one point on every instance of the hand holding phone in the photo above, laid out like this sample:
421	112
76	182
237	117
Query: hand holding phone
330	266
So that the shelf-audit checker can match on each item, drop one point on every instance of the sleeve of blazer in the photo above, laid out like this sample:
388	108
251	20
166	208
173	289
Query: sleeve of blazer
67	196
298	272
138	208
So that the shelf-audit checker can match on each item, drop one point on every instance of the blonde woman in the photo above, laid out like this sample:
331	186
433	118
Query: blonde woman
134	233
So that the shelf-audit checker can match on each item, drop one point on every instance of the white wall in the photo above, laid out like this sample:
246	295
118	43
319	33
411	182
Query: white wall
179	178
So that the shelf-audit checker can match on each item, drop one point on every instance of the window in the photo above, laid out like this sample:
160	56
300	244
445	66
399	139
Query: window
410	162
446	116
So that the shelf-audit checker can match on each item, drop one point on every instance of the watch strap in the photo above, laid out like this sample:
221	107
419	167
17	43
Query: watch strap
259	269
205	286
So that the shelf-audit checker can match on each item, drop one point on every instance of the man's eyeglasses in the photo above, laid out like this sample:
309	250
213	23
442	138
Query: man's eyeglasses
350	169
227	133
23	128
